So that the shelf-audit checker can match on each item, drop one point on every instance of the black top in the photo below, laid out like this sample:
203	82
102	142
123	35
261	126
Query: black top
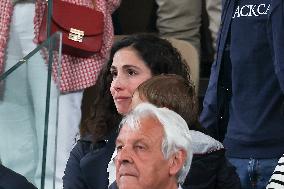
12	180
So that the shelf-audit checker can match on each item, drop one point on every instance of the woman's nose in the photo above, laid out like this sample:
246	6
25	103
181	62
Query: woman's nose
118	83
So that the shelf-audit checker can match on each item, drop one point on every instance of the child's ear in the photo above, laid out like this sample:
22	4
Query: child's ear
176	161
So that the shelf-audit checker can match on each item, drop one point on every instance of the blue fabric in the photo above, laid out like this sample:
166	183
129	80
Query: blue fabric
87	164
254	173
12	180
255	126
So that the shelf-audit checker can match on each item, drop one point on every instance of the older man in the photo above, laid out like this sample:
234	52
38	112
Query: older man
153	149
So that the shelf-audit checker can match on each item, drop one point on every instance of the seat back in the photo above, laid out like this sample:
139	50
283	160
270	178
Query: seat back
191	57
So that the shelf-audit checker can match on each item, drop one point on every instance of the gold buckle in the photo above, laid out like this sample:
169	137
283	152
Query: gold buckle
76	35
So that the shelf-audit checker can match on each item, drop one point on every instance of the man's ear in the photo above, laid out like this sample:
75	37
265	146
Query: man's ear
177	161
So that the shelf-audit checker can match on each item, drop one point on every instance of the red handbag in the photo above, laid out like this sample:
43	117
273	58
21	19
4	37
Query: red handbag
81	27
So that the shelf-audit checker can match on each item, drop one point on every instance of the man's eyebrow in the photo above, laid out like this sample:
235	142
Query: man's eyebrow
144	140
118	141
140	139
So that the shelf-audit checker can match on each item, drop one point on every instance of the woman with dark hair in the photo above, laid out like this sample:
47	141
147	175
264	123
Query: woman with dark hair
158	55
133	60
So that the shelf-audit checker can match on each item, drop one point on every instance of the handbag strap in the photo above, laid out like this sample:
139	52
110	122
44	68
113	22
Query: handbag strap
93	1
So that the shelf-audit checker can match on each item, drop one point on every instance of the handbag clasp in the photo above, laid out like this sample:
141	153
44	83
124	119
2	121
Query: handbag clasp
76	35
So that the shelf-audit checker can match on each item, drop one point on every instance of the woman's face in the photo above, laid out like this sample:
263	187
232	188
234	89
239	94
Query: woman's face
128	71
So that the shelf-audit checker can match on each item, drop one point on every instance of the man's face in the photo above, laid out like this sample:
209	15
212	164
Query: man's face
140	163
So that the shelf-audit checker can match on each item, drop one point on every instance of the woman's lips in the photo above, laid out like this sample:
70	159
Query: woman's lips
121	99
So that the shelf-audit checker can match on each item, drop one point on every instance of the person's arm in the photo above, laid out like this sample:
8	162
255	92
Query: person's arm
277	35
180	19
73	178
214	8
208	116
277	31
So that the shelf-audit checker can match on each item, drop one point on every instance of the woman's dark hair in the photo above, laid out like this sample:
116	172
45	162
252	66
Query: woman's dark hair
158	54
174	92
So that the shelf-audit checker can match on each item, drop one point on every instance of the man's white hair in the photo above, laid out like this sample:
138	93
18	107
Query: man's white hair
176	132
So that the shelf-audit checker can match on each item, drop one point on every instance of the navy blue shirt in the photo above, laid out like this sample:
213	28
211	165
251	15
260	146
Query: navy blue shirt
256	101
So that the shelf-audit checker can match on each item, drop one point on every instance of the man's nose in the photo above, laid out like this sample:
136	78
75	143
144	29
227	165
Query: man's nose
124	156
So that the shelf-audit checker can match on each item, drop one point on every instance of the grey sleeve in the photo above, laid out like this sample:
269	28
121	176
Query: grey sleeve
180	19
214	8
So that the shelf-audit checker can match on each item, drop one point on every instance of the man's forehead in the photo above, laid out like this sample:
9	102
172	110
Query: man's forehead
149	128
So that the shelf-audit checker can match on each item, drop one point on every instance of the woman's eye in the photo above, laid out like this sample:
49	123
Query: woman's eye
113	73
131	72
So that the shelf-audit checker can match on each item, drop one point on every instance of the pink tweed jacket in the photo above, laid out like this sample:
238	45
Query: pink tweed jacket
76	73
6	10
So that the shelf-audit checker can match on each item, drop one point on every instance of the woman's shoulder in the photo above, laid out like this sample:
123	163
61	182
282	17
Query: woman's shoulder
83	146
86	145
